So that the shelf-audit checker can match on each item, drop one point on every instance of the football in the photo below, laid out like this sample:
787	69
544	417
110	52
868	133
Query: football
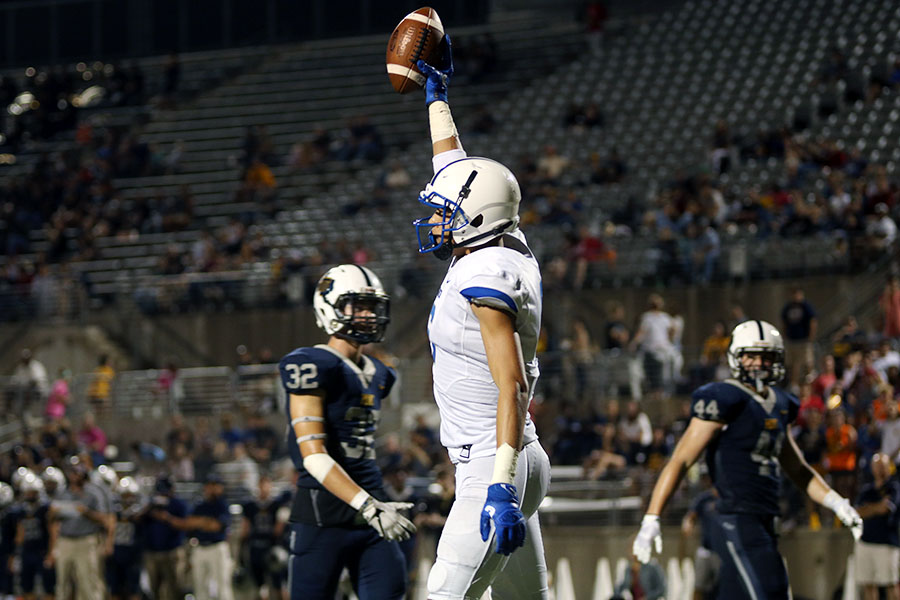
418	36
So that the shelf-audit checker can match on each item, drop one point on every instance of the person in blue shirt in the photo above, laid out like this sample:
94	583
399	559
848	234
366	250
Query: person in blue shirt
163	543
877	552
743	424
211	561
340	516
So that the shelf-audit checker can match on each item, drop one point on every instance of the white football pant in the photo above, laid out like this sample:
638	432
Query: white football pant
466	566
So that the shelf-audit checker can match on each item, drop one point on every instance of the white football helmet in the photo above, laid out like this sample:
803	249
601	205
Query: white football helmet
19	476
351	303
128	485
7	495
757	337
105	475
31	483
480	201
52	475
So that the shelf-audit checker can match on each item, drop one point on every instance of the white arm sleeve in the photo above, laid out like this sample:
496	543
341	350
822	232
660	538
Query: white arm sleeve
445	158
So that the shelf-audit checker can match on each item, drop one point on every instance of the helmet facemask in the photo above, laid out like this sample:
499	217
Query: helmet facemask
454	219
771	370
362	316
351	303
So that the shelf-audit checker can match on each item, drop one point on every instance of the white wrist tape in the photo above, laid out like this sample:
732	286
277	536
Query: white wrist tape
505	464
318	465
359	499
832	500
441	121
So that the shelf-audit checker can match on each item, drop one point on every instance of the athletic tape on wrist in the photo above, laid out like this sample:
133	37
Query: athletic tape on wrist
318	465
359	499
505	464
441	121
832	500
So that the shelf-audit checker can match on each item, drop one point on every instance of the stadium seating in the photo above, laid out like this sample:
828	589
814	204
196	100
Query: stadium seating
663	83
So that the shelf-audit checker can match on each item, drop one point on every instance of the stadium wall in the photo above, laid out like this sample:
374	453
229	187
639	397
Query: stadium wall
206	339
816	560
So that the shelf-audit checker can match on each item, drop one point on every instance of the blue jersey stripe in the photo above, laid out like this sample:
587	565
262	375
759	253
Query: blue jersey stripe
483	292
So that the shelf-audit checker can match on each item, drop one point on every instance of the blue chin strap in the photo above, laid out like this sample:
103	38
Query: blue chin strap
424	235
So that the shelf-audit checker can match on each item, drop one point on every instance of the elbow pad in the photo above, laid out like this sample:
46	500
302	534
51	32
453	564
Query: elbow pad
318	465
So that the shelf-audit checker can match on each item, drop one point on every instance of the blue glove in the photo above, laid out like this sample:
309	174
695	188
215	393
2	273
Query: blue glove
502	505
437	79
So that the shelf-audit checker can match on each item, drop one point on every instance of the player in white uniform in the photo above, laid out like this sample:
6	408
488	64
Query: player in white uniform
483	330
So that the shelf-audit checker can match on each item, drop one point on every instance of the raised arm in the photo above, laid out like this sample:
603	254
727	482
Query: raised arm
444	136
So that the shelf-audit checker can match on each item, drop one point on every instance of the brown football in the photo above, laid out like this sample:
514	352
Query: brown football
418	36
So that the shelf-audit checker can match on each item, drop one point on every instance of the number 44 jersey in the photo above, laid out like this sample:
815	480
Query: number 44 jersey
743	458
352	404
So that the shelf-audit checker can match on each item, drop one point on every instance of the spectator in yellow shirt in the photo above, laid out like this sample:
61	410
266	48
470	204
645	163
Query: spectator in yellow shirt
101	384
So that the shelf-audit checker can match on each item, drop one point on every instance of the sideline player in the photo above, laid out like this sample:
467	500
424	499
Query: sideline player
262	527
743	425
32	539
123	566
339	516
483	328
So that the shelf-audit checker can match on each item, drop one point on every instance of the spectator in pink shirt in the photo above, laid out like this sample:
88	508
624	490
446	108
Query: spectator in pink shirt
59	397
91	435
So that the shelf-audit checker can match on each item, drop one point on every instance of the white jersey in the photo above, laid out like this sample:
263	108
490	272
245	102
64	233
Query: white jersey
465	392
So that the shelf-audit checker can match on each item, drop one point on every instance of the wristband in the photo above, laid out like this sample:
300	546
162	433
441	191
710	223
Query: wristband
505	464
441	121
832	500
359	499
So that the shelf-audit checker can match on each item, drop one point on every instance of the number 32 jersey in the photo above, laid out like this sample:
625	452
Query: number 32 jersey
743	458
352	405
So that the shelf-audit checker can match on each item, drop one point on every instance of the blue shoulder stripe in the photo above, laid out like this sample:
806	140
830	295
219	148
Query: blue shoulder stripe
483	292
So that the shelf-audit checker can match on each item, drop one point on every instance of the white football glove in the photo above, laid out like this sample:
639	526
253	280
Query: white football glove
846	513
647	536
385	518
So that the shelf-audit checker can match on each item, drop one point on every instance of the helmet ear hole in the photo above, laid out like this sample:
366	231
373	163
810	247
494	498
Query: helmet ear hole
477	221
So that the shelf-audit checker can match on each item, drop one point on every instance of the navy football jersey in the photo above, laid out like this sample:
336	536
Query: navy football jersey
262	518
33	518
353	396
129	537
743	458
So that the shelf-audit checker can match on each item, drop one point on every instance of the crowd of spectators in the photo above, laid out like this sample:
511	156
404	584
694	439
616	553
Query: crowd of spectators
42	103
243	449
825	190
848	395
